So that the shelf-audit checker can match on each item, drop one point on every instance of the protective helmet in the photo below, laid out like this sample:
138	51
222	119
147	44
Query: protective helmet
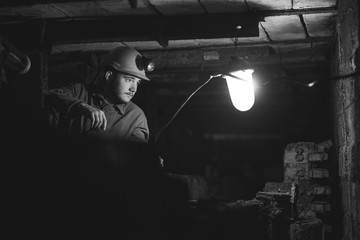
129	61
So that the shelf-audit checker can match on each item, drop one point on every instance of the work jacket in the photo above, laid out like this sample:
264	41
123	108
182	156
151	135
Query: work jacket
124	121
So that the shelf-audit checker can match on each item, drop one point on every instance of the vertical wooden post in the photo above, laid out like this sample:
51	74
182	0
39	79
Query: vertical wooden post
346	95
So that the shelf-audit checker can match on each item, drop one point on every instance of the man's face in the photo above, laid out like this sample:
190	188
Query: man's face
120	87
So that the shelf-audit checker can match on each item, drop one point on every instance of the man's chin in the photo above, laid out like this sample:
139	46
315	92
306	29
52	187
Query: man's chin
125	99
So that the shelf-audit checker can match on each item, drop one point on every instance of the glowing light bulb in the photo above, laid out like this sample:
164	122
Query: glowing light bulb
241	89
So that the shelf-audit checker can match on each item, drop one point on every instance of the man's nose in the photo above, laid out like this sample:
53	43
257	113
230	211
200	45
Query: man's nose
133	87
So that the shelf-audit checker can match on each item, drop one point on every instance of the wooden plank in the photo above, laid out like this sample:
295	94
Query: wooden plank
177	7
284	27
215	6
320	24
303	4
135	29
269	4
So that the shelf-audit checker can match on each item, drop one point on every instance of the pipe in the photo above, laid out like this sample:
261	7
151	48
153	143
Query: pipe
13	59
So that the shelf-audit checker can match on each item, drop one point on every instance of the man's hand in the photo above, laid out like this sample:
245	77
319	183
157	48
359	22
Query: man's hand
96	116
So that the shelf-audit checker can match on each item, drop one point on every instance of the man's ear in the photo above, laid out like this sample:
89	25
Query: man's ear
108	75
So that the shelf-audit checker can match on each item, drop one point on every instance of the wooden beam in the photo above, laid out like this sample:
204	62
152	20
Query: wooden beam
141	28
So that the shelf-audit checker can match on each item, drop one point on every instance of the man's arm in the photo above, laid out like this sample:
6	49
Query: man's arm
65	98
140	134
70	100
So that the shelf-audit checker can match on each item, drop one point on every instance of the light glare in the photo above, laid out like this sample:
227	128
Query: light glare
241	90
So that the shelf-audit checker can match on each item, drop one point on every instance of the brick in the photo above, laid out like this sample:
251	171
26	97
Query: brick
324	146
320	190
318	156
296	171
298	152
321	207
283	187
319	173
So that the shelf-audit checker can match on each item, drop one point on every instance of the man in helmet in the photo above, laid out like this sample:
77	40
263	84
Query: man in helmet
105	109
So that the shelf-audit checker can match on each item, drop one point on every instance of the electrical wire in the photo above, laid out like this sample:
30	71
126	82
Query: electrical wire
183	104
310	83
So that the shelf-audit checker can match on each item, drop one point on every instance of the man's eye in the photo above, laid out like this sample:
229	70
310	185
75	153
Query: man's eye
133	80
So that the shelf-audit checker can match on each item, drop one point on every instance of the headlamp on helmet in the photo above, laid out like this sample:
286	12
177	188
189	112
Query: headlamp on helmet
144	63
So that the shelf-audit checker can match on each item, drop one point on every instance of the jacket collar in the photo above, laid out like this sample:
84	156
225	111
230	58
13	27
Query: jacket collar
102	102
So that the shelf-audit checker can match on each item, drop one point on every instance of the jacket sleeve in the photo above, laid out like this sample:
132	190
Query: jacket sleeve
141	130
65	98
